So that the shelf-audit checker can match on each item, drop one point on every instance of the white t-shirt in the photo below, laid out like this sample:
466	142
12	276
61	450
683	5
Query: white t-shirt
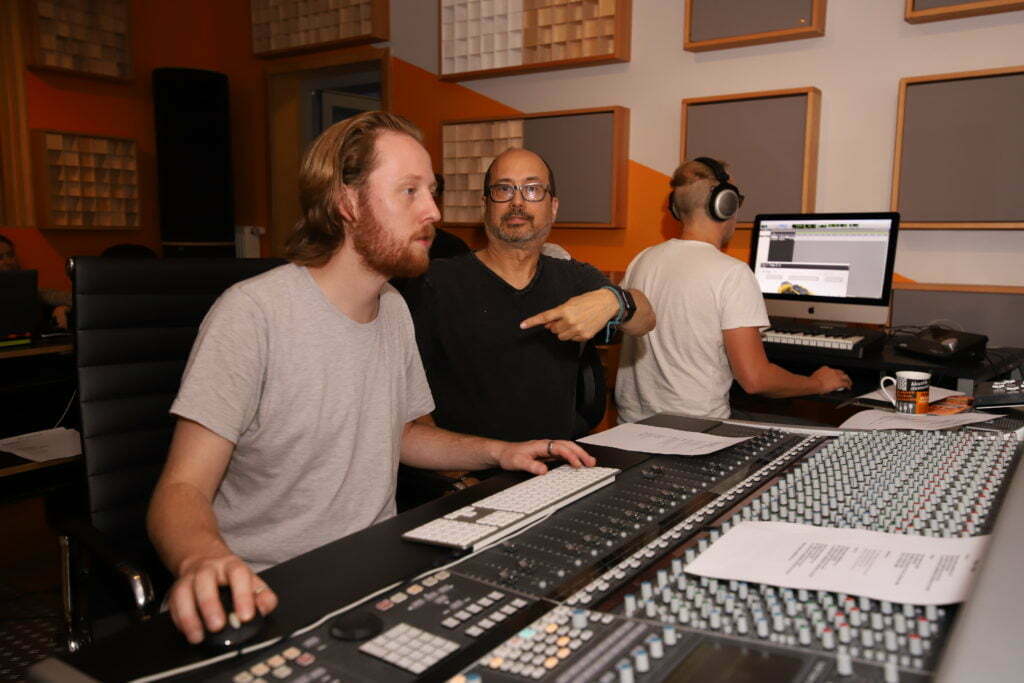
315	404
681	366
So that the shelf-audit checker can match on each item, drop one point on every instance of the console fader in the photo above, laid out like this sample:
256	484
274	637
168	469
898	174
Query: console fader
598	591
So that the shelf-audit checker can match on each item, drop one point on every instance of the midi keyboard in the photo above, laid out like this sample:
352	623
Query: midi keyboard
846	342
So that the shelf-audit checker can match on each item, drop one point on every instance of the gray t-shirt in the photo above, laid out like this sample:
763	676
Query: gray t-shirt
315	404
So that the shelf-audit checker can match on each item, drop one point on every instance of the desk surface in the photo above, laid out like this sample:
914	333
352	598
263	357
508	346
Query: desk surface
368	561
46	347
11	464
888	358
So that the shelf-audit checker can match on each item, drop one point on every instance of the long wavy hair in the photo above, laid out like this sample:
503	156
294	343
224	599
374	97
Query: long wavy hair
344	155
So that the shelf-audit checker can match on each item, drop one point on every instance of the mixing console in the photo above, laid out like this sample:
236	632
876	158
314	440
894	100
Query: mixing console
553	558
598	591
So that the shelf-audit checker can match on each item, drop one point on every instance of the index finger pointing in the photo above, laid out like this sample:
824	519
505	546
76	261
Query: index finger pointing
542	318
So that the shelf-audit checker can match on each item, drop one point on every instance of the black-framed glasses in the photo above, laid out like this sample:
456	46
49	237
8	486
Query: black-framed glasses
504	192
740	197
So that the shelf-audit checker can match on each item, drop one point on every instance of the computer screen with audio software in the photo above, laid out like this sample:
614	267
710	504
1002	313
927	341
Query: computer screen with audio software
826	266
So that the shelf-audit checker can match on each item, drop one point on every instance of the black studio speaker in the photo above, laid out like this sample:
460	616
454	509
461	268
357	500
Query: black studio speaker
193	150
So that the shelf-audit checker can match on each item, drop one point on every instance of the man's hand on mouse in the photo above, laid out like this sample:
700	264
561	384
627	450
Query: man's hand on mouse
830	379
194	602
527	455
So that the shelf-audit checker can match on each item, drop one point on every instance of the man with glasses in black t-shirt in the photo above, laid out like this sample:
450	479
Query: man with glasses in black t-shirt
499	330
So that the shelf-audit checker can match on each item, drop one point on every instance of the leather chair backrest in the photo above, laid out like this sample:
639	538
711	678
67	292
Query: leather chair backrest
135	322
591	393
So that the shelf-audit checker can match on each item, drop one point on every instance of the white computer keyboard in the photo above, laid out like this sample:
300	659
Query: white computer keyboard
495	517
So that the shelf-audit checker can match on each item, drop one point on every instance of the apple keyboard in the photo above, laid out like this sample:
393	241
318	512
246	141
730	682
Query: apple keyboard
497	516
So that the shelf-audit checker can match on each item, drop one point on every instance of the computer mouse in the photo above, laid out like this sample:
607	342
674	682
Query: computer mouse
235	632
950	343
357	625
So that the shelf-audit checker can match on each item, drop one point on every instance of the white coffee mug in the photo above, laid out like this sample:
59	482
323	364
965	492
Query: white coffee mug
911	391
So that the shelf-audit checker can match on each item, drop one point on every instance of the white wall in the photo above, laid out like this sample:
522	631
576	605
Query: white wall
857	65
414	32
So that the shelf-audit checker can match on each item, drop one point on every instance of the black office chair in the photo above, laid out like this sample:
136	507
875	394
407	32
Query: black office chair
591	392
135	322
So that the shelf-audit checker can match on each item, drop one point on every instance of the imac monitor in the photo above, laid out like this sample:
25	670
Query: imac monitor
826	266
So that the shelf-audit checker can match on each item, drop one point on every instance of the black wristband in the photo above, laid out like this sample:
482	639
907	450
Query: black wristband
630	304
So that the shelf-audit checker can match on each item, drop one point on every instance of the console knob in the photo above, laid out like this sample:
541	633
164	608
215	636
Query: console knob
641	662
625	669
629	604
655	646
844	665
892	674
579	619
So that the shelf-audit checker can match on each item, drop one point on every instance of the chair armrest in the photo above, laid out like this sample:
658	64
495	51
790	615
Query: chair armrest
122	561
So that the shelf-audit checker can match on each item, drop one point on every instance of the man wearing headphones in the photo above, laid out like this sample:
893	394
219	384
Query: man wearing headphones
709	311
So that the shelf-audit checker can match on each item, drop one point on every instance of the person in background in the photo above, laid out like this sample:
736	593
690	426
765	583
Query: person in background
56	303
710	311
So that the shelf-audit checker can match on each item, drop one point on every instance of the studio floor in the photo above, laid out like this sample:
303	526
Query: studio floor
29	587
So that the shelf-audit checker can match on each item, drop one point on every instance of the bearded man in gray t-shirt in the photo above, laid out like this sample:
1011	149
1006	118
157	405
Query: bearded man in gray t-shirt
300	395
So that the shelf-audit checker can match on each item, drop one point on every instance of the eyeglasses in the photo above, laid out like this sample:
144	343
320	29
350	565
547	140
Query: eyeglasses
741	197
504	192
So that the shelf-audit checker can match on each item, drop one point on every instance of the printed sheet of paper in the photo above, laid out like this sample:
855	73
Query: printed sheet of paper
664	440
918	569
934	394
881	419
49	444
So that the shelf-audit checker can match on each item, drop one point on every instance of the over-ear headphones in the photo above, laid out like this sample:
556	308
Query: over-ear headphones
724	200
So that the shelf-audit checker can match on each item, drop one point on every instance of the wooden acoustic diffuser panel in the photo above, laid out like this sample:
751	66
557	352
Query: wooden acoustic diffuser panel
85	182
920	11
959	155
587	150
283	26
88	37
769	140
482	38
719	24
469	148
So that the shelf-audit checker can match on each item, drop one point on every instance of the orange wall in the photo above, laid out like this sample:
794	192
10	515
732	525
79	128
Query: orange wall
181	33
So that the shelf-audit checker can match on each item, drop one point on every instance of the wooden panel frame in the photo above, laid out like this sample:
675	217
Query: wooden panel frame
380	31
952	287
34	47
44	181
284	140
621	33
619	190
959	10
17	203
812	132
898	153
815	29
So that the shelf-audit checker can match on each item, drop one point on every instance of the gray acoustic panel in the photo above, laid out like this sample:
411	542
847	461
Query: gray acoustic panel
963	150
579	149
932	4
995	315
712	19
762	141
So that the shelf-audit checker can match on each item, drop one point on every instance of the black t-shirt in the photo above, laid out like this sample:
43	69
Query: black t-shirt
490	378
